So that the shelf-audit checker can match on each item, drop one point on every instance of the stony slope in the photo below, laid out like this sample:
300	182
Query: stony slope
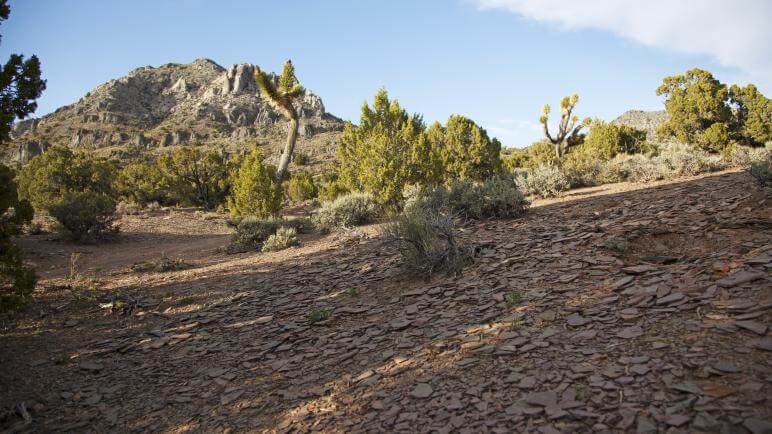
671	335
643	120
170	105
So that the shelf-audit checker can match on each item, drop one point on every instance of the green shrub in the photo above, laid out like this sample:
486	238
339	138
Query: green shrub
252	232
144	183
543	181
761	171
254	191
427	240
744	156
349	210
301	187
196	176
300	159
606	140
495	197
16	280
331	190
86	216
284	238
58	171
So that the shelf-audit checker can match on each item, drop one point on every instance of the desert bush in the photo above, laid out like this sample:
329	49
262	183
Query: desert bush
86	216
761	171
254	190
76	188
427	240
349	210
543	181
606	140
300	158
127	208
744	156
196	176
301	186
284	238
494	197
252	232
59	170
16	280
144	183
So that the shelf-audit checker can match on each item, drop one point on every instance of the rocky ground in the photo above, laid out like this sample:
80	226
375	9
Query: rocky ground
559	326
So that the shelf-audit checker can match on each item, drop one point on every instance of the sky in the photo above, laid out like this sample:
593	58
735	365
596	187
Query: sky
495	61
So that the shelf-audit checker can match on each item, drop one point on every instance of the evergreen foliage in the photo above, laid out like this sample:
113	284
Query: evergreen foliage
753	113
696	103
16	280
59	171
301	186
254	191
20	85
195	176
376	156
391	149
144	183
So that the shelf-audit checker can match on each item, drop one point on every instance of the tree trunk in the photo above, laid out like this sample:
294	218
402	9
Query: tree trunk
289	147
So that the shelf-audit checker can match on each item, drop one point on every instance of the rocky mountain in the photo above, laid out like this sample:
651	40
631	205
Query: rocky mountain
643	120
173	104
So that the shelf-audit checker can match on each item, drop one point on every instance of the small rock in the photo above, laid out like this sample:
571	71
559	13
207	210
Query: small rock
577	320
754	326
630	332
90	366
422	390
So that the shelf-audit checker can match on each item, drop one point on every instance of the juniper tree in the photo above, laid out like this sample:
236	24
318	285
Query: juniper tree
282	98
375	157
697	109
468	152
20	85
753	115
568	128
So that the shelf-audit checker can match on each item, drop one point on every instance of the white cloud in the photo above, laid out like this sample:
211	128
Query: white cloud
736	33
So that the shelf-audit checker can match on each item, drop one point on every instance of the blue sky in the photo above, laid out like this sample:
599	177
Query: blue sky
496	61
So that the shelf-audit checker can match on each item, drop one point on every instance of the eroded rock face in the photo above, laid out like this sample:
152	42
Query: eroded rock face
169	105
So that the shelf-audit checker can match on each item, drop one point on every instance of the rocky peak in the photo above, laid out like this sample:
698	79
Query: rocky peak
169	105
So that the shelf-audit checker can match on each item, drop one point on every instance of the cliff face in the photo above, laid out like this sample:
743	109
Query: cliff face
643	120
173	104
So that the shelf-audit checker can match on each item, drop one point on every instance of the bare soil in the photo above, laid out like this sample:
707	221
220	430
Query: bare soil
548	331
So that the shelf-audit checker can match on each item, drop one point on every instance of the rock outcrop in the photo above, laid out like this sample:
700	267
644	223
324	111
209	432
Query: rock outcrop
173	104
643	120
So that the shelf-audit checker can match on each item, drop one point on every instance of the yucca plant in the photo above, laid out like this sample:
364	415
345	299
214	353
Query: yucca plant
282	98
568	130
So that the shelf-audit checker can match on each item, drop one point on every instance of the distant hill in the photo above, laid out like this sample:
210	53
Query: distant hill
173	104
643	120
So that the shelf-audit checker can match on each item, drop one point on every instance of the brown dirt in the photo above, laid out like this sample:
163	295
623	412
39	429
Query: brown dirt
670	334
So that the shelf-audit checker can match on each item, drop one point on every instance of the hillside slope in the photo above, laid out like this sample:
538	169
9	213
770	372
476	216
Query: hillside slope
669	335
173	104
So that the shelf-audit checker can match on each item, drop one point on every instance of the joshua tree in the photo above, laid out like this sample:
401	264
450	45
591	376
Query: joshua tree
568	130
282	98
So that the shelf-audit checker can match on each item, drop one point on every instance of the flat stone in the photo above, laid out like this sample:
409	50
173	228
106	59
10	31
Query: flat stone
544	399
758	426
738	278
577	320
754	326
762	344
630	332
90	366
421	391
672	298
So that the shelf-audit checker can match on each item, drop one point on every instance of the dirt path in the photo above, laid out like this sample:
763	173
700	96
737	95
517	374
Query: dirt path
548	331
